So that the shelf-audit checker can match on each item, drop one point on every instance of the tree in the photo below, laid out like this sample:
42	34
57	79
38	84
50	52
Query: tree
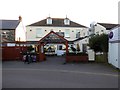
99	43
104	42
94	43
104	45
30	48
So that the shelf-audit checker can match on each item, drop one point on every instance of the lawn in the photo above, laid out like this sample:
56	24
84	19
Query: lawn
100	58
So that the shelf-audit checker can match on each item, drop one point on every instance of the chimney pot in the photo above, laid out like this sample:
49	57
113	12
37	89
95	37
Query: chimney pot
20	18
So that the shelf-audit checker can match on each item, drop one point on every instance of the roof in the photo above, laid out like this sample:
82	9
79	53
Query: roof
108	26
80	38
70	42
59	22
116	27
9	24
53	37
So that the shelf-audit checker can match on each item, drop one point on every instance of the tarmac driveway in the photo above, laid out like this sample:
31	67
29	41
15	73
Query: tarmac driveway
54	74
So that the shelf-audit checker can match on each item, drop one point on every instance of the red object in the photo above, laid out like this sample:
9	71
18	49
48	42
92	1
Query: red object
13	53
76	58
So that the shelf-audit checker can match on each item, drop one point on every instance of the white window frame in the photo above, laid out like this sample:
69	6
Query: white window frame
67	33
66	21
49	21
78	31
39	32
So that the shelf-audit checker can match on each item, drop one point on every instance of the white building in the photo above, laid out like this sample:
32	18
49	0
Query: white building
95	28
114	47
100	28
63	26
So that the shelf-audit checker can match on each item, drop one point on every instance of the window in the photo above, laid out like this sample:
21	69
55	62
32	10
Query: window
84	34
90	30
84	47
66	21
60	47
49	20
67	33
78	30
60	33
97	32
78	33
39	32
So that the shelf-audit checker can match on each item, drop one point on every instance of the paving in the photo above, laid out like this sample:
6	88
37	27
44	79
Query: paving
53	73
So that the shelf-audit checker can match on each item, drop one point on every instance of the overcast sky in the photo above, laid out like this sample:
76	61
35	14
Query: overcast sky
81	11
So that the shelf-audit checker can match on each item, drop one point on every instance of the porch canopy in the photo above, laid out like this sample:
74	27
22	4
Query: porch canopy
51	38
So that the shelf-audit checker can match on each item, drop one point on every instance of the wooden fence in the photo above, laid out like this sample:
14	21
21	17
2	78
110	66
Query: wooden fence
13	53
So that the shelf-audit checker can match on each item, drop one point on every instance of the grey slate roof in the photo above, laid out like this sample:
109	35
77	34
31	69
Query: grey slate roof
80	38
57	22
9	24
108	26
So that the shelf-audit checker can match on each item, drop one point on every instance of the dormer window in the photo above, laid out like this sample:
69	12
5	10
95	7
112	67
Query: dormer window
66	21
49	20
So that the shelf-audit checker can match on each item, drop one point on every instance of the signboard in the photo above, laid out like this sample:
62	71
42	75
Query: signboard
114	34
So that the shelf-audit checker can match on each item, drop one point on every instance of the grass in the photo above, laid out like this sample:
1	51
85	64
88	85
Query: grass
100	58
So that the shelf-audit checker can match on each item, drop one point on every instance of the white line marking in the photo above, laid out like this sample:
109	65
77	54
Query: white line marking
65	71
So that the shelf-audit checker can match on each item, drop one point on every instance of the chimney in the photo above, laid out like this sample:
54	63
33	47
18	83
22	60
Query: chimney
20	18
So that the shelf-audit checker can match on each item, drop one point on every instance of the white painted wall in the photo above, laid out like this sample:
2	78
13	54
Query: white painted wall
114	48
20	32
91	55
98	29
113	54
84	32
119	55
81	42
31	35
